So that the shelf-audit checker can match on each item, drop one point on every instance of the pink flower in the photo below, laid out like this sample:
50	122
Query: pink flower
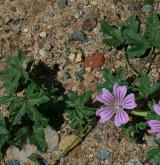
155	124
115	105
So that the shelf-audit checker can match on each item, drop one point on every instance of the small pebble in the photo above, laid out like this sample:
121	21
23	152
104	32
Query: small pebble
14	162
13	9
93	2
79	56
79	14
43	34
72	56
43	53
25	30
103	154
86	2
97	31
147	8
88	69
62	3
133	9
66	51
78	35
134	162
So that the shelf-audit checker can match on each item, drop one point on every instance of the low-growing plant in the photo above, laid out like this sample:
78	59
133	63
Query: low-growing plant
132	101
135	41
23	100
81	112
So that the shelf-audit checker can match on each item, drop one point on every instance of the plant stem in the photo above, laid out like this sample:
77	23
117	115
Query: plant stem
146	60
130	66
139	113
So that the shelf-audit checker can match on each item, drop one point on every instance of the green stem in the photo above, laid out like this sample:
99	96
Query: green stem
147	59
130	66
139	113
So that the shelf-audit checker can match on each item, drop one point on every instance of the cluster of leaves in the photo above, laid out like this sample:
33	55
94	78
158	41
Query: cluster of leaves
135	132
81	112
130	37
23	100
155	152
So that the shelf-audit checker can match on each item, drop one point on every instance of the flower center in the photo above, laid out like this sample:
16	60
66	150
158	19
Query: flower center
118	105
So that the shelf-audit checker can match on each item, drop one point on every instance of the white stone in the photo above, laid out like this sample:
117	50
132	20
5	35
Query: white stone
88	69
43	34
52	138
72	56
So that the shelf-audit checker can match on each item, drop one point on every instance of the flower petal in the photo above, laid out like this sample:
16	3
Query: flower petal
121	117
119	91
156	108
154	126
129	102
105	114
105	97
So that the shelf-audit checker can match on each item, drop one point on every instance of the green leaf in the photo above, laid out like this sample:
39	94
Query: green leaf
15	72
38	138
78	100
34	96
33	157
20	136
132	23
137	45
152	30
120	75
153	153
115	34
145	87
19	114
4	133
110	80
6	99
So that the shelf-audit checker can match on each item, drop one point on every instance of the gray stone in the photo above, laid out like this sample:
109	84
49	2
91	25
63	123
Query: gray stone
22	155
155	162
98	31
13	9
14	162
62	3
66	51
134	162
132	9
103	154
52	138
78	35
147	8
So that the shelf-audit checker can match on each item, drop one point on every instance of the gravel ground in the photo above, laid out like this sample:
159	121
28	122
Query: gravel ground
66	33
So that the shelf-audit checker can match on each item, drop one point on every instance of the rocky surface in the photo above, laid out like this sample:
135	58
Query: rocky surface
67	33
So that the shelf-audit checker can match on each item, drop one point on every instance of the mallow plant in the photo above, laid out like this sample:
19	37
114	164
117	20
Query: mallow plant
25	100
137	109
131	102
